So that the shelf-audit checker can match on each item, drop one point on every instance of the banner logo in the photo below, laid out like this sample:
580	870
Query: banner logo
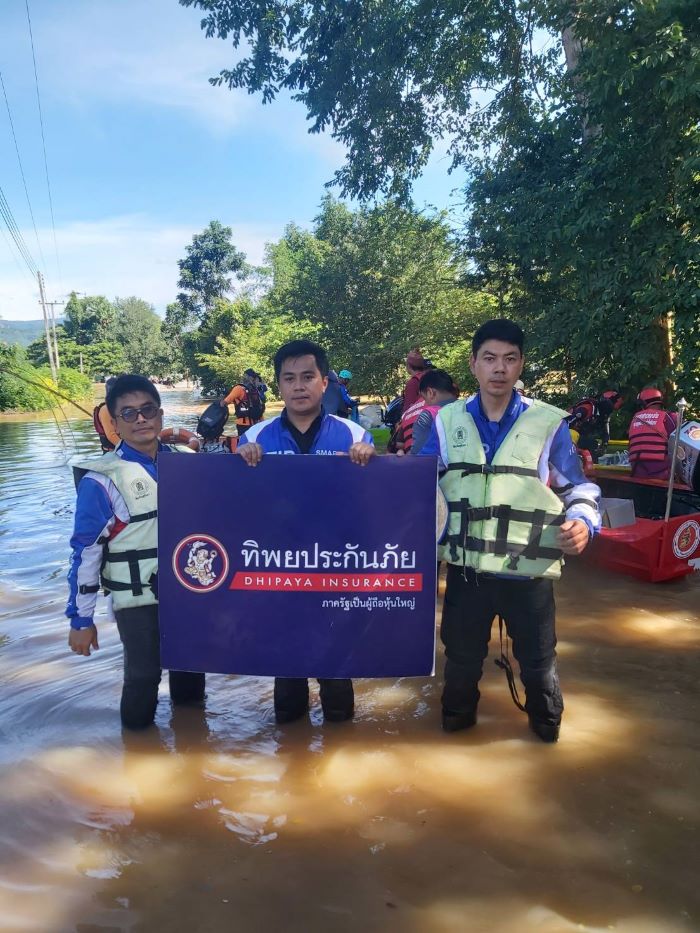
200	563
686	539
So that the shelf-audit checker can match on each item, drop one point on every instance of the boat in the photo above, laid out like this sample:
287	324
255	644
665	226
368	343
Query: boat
663	541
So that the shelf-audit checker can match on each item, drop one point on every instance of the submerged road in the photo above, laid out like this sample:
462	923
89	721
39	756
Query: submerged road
220	820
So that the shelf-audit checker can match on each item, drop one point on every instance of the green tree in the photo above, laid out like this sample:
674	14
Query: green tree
139	330
377	282
388	78
24	387
595	237
205	272
90	319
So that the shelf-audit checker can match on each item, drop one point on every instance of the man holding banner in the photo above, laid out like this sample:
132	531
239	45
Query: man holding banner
301	370
518	501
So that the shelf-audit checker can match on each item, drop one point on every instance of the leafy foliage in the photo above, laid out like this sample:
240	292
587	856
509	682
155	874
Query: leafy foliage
377	282
388	78
205	272
26	393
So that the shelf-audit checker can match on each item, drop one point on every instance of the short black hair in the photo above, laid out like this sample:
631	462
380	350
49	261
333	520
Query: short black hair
438	379
125	385
499	329
296	348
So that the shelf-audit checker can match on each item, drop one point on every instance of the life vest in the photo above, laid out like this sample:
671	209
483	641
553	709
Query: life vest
105	442
250	408
503	519
408	422
130	557
648	436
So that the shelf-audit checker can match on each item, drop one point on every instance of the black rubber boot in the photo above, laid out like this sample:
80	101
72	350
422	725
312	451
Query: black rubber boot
337	699
547	731
186	688
456	722
291	698
138	704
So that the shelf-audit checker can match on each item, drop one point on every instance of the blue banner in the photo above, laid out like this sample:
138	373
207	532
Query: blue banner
301	566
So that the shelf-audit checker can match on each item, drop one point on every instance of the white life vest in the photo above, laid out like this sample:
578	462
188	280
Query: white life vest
130	559
503	518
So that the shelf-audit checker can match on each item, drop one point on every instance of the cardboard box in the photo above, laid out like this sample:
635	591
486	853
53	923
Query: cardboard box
617	513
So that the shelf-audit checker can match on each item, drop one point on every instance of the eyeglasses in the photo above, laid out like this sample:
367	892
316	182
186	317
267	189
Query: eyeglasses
149	412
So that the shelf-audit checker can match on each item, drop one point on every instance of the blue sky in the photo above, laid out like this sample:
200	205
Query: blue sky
143	152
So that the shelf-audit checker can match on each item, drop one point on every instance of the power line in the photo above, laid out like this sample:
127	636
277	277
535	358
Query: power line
43	143
16	234
21	169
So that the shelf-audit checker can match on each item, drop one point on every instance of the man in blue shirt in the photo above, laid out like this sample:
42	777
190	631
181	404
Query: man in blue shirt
515	483
115	543
301	370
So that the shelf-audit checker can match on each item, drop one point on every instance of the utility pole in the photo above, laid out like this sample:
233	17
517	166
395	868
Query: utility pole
49	349
53	329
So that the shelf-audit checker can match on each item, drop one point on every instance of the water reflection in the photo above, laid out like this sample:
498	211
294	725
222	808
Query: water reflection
219	819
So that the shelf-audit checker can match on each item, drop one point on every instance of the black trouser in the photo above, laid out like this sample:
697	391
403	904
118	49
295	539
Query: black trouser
138	630
292	695
527	608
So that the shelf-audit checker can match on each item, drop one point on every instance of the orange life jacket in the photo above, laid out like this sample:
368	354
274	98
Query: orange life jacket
648	436
408	421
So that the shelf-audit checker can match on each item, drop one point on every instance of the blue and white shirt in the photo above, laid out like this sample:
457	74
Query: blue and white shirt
335	435
99	512
559	466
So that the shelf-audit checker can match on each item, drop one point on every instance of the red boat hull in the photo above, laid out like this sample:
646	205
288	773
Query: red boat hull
650	549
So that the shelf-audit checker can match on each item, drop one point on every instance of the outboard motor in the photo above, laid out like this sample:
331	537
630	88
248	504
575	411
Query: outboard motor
687	466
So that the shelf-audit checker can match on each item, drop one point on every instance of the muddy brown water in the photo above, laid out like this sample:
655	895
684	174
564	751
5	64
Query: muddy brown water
220	820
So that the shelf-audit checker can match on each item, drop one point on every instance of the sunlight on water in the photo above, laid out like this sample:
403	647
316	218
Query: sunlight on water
218	819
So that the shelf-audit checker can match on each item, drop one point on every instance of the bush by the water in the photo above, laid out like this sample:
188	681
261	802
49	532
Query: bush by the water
30	388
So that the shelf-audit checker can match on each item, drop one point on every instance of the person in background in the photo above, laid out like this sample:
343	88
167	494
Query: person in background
262	390
649	432
245	397
416	364
102	421
304	427
520	387
353	404
114	543
590	418
437	388
518	501
333	401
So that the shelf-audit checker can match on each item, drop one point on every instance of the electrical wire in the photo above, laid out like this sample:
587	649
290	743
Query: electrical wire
16	234
43	144
21	169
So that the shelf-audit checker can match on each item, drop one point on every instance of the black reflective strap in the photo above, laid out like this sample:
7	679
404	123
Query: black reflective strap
489	469
593	504
143	517
504	519
83	589
535	538
512	515
132	558
504	663
560	490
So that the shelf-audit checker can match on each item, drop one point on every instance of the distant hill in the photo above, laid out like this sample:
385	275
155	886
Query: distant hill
22	332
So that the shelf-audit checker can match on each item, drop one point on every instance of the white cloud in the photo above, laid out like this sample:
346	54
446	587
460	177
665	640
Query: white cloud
133	52
118	256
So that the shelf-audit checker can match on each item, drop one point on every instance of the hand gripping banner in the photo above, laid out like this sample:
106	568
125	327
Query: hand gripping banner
302	566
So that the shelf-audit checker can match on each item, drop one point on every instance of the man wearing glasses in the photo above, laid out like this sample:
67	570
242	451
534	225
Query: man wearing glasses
114	544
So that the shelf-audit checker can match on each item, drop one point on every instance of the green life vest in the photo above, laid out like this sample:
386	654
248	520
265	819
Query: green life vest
130	561
502	518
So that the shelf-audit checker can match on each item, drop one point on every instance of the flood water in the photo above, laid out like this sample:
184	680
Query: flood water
220	820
